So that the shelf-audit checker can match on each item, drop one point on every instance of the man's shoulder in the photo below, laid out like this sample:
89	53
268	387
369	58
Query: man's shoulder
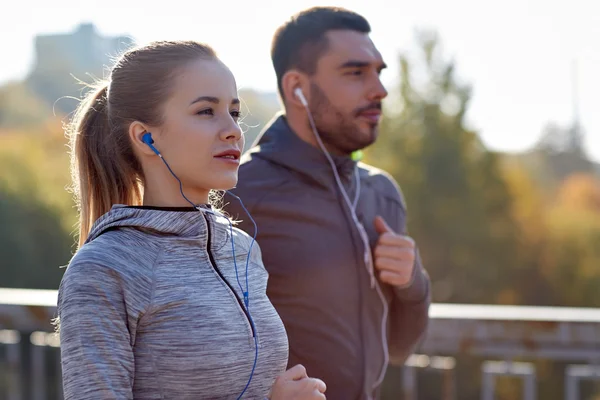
381	182
257	178
258	172
251	162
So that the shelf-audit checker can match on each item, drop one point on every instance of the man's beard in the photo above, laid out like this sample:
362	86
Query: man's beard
340	133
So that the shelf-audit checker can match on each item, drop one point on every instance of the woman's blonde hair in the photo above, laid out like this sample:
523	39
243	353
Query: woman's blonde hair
104	169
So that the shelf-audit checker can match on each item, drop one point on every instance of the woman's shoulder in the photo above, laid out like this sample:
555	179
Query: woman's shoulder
114	253
111	267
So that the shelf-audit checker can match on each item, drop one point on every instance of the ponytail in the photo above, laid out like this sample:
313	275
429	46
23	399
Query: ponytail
104	170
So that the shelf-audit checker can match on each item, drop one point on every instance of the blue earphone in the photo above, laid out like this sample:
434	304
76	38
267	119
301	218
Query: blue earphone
147	139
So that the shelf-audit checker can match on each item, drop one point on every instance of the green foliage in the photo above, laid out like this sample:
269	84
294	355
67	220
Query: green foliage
491	228
32	243
35	164
458	201
570	262
34	209
20	107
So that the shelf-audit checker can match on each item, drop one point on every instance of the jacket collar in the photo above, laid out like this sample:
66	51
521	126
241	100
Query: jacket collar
185	223
280	145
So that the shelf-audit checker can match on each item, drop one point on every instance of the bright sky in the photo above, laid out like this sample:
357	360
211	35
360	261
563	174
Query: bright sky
517	54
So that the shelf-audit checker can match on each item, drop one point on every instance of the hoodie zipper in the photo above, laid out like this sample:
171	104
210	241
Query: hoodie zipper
376	287
214	265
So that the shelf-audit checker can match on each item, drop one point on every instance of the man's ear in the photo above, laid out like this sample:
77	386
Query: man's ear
292	80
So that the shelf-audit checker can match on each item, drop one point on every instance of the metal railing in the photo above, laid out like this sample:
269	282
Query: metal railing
509	339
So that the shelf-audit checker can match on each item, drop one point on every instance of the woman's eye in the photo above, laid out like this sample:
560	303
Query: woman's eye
236	114
207	111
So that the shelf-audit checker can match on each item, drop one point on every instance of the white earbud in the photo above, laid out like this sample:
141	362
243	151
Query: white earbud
300	96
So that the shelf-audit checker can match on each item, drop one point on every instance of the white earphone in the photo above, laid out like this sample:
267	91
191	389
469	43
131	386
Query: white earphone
300	96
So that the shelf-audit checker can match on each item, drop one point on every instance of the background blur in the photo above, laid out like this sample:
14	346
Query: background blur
492	130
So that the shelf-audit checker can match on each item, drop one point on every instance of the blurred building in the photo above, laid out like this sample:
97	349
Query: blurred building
63	59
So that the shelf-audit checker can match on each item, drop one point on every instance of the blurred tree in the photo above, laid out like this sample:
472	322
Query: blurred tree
580	192
560	152
570	261
459	205
258	108
32	243
487	232
529	210
20	107
34	162
35	209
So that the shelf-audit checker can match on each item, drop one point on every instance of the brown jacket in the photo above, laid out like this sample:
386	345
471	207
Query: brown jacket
318	281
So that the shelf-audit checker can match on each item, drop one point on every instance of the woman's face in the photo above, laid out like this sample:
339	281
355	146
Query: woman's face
200	136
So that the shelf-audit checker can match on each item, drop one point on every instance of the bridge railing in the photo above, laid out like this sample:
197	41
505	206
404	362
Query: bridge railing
508	338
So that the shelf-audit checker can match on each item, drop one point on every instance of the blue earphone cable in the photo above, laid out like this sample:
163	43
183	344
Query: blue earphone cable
245	292
149	141
246	299
180	184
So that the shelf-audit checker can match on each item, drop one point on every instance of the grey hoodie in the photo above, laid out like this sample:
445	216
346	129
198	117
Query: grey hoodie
150	308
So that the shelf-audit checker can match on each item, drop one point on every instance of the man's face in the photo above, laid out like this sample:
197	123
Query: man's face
346	92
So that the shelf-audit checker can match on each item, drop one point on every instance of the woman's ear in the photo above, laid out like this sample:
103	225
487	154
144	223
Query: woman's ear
137	130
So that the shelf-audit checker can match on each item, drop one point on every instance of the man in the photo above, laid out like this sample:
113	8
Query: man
320	282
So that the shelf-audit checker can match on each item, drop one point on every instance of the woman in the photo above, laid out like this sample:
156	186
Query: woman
164	299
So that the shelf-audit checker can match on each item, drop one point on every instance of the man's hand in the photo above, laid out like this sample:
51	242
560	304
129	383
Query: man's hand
394	255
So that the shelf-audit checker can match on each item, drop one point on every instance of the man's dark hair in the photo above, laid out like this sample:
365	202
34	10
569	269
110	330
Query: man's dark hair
301	41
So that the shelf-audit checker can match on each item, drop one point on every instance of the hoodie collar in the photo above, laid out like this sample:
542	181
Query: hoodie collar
280	145
181	222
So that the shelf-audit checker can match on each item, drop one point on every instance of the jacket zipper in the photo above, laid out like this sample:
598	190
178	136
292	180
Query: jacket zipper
214	265
384	305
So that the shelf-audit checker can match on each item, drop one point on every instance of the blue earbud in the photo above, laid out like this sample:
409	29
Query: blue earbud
147	138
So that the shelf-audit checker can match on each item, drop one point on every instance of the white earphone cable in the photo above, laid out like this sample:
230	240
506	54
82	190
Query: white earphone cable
368	258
